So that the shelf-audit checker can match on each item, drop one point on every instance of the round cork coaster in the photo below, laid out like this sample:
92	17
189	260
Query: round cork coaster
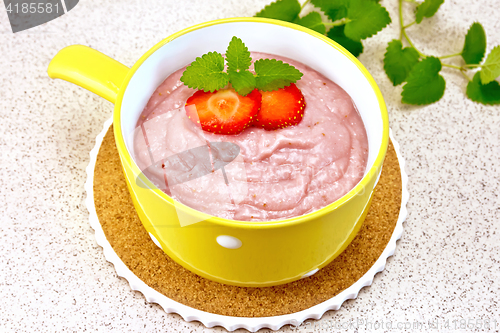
148	269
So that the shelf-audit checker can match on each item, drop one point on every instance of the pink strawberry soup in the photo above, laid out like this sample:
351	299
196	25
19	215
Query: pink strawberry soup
277	174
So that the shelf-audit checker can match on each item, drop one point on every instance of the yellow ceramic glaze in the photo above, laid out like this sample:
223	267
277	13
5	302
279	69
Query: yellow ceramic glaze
89	69
271	253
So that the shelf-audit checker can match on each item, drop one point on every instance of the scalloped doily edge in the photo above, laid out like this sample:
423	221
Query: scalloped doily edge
233	323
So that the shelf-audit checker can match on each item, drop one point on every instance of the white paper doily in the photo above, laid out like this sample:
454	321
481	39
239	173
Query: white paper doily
233	323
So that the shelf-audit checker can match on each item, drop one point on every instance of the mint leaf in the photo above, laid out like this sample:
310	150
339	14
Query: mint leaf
312	21
285	10
237	55
243	81
398	62
334	9
475	44
206	73
427	9
274	74
366	17
490	70
424	84
353	46
483	93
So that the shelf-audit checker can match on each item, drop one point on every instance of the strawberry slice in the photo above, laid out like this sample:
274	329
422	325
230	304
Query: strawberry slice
223	111
281	108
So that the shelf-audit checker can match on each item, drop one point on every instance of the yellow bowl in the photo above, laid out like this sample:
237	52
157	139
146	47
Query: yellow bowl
252	254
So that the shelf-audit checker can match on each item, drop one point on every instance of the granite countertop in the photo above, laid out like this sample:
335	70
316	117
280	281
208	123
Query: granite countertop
54	277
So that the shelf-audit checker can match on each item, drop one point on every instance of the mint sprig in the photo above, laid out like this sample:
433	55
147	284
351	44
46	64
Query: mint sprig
424	85
351	20
207	72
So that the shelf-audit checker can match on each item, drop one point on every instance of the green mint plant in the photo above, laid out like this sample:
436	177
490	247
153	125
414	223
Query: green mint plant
423	84
208	73
351	20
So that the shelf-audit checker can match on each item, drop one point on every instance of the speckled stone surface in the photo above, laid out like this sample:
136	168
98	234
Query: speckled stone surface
54	277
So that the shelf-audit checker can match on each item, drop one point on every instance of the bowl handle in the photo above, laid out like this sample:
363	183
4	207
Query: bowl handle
89	69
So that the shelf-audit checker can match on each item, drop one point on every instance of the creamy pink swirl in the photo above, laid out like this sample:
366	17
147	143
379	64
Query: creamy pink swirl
278	174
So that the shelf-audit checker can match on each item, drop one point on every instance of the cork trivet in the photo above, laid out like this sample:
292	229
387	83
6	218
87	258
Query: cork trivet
149	263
